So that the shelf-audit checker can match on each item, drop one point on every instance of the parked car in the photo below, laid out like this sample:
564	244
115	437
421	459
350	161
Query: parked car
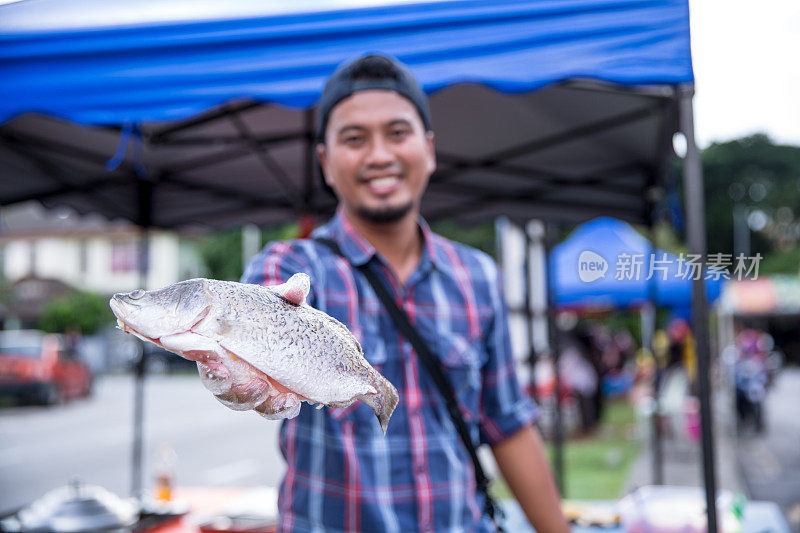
36	368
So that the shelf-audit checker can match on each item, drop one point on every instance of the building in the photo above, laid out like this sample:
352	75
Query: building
41	248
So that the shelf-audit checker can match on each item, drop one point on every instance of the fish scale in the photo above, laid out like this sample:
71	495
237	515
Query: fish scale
260	348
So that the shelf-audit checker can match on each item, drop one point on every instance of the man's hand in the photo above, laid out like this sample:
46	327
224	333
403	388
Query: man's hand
524	466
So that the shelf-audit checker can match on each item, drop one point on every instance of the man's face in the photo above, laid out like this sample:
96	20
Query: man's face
377	156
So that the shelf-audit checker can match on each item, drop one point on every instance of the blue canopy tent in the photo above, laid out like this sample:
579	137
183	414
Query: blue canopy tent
199	112
623	280
572	103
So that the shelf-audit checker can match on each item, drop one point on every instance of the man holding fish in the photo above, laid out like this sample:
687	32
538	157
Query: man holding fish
376	150
376	316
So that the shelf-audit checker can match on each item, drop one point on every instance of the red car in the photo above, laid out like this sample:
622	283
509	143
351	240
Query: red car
34	367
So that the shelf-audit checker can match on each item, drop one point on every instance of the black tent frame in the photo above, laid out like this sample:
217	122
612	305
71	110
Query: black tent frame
534	183
635	202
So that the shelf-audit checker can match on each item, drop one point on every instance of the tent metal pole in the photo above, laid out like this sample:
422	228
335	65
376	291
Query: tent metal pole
237	140
585	130
529	309
602	179
657	178
474	204
270	164
657	451
162	135
144	219
551	231
696	233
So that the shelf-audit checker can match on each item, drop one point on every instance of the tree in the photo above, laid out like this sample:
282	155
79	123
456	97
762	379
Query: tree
221	251
763	179
85	311
480	236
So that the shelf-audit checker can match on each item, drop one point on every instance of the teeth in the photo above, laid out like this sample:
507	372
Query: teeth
384	182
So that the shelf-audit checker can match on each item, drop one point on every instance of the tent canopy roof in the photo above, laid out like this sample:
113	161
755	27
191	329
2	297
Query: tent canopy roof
561	109
144	69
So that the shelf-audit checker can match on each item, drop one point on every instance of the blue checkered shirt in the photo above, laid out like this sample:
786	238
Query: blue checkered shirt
342	473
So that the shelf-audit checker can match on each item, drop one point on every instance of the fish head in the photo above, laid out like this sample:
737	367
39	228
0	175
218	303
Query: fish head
154	314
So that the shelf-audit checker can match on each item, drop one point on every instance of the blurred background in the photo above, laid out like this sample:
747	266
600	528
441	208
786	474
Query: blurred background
615	372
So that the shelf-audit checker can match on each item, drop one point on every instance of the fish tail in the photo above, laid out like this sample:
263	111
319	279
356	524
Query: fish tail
384	402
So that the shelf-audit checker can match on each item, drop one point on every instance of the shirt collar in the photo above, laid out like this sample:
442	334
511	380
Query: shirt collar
429	241
359	251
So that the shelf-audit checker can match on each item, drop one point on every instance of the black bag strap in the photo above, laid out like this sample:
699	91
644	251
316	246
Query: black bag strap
431	364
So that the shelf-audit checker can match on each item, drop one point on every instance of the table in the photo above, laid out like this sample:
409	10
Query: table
207	502
255	507
759	517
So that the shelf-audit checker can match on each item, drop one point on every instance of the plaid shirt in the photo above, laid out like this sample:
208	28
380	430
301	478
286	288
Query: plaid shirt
342	473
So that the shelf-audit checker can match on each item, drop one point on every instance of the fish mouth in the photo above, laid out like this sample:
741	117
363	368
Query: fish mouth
126	328
117	307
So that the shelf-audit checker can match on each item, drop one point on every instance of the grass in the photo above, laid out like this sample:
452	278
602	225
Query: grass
596	466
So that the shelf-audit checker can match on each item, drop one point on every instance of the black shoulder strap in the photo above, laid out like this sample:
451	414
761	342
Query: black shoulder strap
431	364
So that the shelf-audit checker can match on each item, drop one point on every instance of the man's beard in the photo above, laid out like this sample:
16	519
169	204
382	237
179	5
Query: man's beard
384	215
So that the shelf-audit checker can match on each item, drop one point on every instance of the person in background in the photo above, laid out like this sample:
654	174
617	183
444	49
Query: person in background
578	375
376	151
594	338
751	379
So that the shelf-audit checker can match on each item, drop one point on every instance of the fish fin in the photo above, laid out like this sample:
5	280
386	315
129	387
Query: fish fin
295	290
382	403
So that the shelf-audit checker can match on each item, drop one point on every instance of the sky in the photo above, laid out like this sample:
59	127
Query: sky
746	56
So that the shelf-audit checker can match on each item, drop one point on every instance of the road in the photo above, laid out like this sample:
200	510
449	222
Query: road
771	462
44	447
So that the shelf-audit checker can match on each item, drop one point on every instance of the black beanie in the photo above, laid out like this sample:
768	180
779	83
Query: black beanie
366	73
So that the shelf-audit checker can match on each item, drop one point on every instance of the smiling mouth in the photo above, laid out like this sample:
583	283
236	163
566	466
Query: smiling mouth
383	182
382	185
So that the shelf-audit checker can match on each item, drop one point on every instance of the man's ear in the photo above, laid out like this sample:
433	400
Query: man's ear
322	157
431	149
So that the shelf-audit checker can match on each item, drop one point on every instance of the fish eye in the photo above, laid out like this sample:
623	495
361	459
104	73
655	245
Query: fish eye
135	295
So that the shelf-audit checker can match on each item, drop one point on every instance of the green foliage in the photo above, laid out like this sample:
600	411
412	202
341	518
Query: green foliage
631	321
280	232
628	320
221	251
595	467
85	311
5	291
756	174
480	236
780	262
667	239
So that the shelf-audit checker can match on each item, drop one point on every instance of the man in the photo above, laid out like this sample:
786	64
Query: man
376	150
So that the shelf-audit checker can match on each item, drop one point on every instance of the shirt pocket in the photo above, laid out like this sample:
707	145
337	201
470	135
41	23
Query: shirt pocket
461	359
